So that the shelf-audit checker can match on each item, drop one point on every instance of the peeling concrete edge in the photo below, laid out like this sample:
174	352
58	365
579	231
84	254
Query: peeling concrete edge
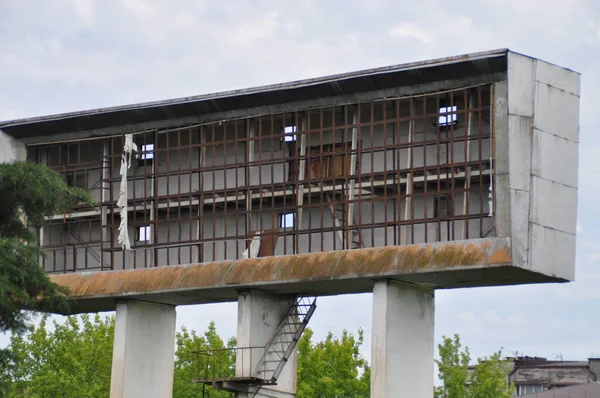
388	261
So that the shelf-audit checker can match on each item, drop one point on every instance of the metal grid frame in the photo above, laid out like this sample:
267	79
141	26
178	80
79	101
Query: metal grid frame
395	171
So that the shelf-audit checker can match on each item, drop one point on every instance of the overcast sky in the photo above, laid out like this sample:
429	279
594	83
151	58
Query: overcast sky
67	55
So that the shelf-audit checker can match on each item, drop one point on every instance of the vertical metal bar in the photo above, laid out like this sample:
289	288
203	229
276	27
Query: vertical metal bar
153	235
492	202
410	176
372	172
237	188
385	187
467	183
352	176
201	189
225	184
259	167
480	159
190	217
154	201
214	190
301	175
250	139
42	259
112	206
425	174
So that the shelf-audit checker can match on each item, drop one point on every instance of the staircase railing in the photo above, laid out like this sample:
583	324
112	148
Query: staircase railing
259	365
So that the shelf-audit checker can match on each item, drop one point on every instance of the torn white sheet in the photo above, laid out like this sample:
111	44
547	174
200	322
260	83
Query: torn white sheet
128	148
252	251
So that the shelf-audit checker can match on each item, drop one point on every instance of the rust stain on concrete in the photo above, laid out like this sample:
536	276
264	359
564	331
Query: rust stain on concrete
359	263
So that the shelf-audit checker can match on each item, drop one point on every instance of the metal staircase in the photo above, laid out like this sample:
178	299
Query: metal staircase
281	347
221	375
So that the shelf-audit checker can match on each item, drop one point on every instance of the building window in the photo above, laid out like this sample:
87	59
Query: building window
443	207
147	152
289	133
144	233
287	220
77	179
447	115
529	388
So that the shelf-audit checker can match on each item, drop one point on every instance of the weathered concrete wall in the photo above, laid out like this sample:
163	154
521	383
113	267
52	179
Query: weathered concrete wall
538	163
553	376
594	364
144	351
11	149
402	341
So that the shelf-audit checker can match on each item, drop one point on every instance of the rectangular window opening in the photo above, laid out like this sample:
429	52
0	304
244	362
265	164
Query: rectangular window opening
287	220
289	133
144	233
147	152
447	115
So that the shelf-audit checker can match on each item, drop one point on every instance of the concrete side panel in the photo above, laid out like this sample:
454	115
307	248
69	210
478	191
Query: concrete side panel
520	84
554	205
556	112
558	77
552	252
501	161
519	204
144	349
10	149
402	341
555	158
520	137
502	206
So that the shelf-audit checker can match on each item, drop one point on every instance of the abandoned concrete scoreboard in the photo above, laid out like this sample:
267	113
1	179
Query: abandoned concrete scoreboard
455	172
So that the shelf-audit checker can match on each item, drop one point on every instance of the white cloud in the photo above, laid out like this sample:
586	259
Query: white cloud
84	10
411	31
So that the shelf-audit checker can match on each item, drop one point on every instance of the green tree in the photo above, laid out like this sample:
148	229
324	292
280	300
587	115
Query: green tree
453	367
71	361
488	378
29	192
191	364
333	367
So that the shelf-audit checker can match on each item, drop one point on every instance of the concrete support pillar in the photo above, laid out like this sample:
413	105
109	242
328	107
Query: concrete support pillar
144	351
259	316
402	341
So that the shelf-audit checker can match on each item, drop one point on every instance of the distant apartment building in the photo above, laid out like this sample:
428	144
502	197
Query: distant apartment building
589	390
536	374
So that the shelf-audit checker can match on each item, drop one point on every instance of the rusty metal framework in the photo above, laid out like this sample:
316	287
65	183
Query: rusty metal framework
396	171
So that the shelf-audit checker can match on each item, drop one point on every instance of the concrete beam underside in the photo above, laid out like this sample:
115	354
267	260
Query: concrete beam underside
402	341
144	350
483	262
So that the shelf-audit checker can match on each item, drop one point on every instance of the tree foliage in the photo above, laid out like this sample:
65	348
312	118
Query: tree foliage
72	360
333	367
29	193
488	378
191	364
